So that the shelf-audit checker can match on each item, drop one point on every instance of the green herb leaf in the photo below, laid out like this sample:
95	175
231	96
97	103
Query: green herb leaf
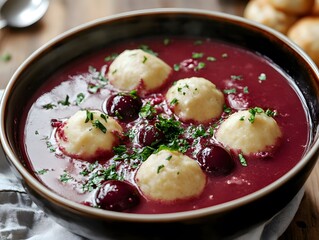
111	57
65	102
5	57
147	111
242	160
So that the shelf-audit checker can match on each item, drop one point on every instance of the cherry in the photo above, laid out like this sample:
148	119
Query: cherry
149	135
124	106
117	196
215	160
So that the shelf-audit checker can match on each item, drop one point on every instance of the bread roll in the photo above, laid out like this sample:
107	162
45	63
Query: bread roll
305	33
296	7
262	12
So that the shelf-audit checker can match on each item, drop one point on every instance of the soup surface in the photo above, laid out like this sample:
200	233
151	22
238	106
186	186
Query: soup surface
247	81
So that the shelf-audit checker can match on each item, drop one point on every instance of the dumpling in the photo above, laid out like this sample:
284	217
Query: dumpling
249	133
134	69
195	99
170	175
88	135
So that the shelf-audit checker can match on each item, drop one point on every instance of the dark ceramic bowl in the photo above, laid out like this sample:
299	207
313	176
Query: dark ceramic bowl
224	220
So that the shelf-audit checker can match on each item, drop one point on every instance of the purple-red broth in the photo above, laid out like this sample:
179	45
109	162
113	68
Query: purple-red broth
247	81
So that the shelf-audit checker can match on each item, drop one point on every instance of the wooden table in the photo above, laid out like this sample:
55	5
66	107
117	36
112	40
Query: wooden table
18	44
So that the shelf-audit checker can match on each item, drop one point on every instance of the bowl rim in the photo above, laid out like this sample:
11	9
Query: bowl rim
163	217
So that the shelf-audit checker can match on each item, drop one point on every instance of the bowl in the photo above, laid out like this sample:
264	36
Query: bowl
225	220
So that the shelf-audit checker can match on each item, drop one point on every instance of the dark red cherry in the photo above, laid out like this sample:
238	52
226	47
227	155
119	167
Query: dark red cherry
149	135
124	106
117	196
215	160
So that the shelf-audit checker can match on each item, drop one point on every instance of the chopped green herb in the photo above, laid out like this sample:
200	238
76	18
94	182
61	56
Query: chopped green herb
230	91
197	55
49	106
79	98
227	109
50	146
159	168
96	123
144	59
174	101
242	160
270	113
147	49
169	157
133	93
5	57
245	90
65	102
147	110
176	67
42	171
99	175
199	66
89	116
253	112
65	177
94	88
211	59
262	77
236	77
111	57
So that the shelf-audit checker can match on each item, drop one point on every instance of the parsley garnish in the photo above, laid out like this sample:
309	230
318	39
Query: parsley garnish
111	57
200	66
176	67
230	91
211	59
147	49
242	160
197	55
159	168
5	57
48	106
42	171
65	102
65	177
147	111
236	77
262	77
79	98
174	101
96	123
99	175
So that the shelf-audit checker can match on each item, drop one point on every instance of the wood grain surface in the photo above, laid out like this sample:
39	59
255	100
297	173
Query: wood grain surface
17	44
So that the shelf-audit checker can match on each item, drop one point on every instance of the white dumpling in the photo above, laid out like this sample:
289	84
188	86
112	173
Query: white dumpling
88	134
170	175
240	132
195	99
136	68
